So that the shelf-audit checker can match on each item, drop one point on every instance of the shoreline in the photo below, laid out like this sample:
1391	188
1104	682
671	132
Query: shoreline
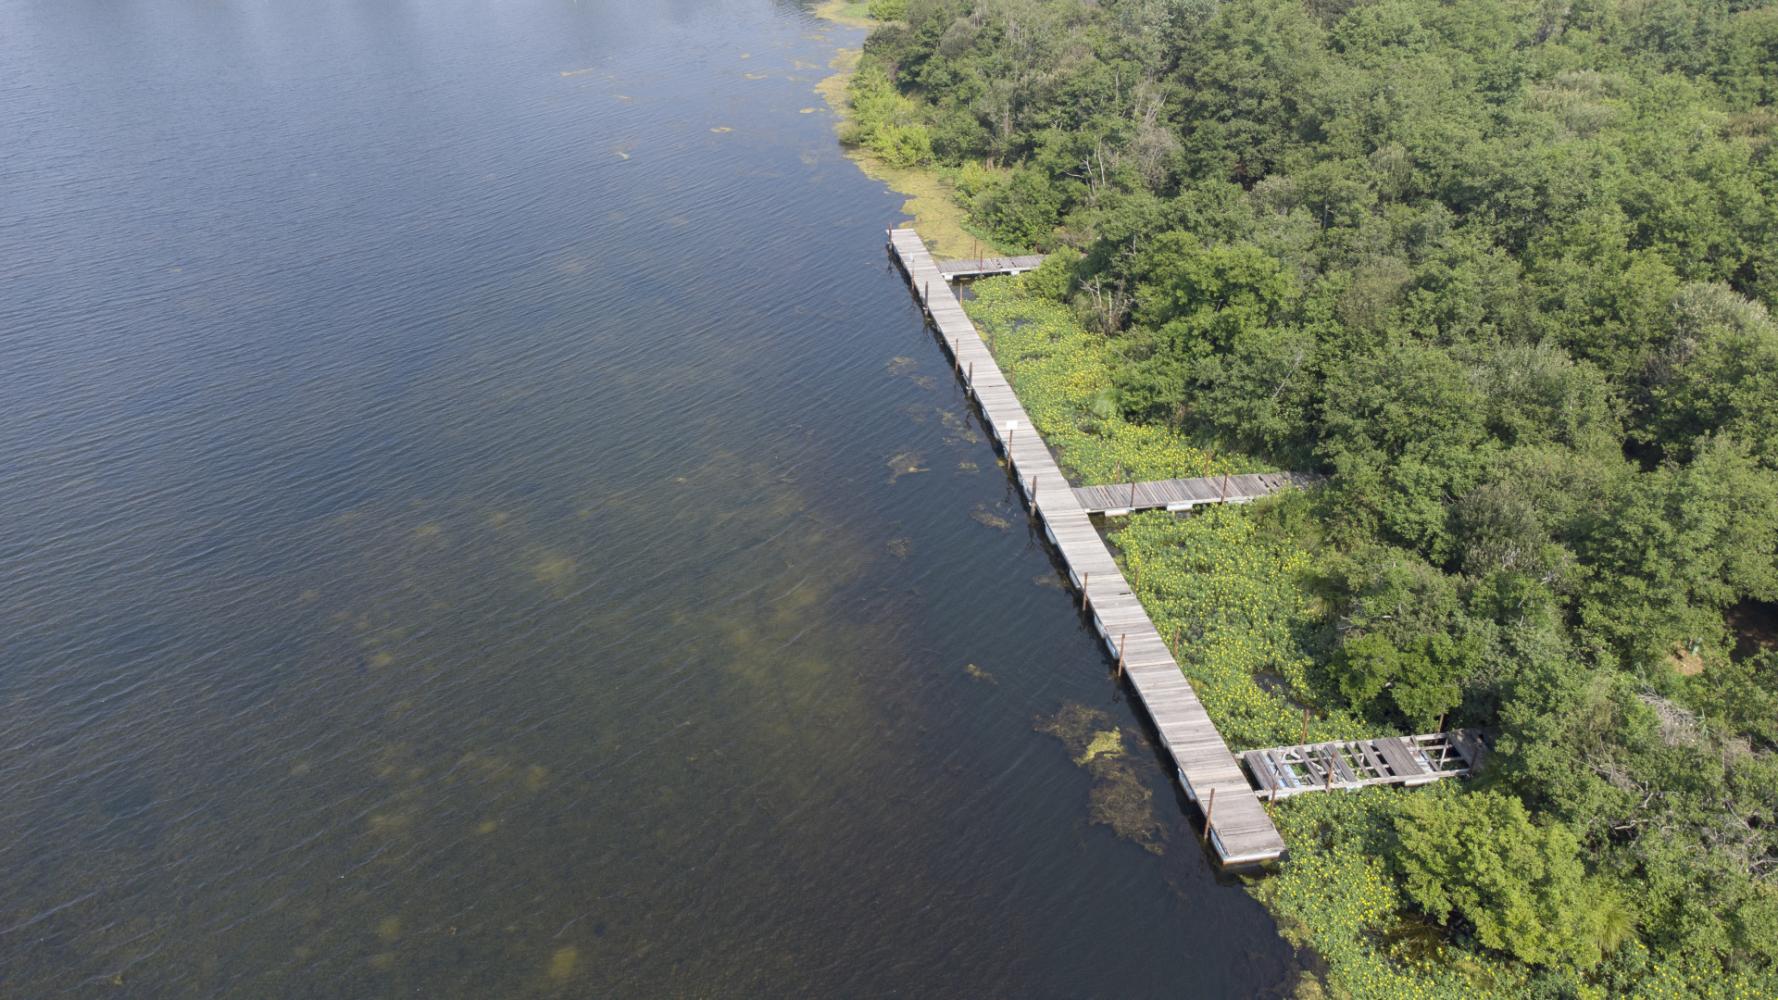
930	205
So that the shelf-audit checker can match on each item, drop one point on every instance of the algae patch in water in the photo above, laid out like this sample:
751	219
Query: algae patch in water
555	571
1118	798
904	463
562	963
900	548
978	674
982	515
1105	743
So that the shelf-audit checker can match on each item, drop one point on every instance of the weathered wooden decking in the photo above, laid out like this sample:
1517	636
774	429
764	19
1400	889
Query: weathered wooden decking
1386	760
1184	494
981	267
1240	830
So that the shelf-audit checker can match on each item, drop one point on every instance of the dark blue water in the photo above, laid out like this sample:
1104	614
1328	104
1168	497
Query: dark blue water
480	517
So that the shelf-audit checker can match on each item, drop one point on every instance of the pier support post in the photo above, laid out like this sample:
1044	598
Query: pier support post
1120	655
1086	599
1033	491
970	381
1305	738
1209	814
1132	497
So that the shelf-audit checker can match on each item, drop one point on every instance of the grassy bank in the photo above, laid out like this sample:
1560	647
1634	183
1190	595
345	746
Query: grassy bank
933	206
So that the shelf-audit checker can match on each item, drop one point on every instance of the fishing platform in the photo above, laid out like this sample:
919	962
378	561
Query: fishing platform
1236	824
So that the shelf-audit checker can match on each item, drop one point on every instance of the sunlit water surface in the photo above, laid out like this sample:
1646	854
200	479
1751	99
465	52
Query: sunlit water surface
480	517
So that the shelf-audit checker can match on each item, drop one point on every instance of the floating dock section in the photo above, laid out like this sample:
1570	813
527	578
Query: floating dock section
1236	823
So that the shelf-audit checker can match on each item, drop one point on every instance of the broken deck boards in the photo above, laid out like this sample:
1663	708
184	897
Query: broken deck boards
1240	831
1348	764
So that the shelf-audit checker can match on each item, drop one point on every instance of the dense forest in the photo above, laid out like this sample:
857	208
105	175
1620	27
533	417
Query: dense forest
1502	270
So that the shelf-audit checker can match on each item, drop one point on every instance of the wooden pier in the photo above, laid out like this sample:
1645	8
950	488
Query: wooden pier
1350	764
982	267
1184	494
1236	823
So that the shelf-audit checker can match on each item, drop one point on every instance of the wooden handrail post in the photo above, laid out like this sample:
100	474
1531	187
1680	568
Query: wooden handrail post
1132	495
1209	814
1086	598
1176	642
1033	489
970	381
1120	654
1327	783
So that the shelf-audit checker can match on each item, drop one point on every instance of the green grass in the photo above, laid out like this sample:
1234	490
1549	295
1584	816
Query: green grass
1062	374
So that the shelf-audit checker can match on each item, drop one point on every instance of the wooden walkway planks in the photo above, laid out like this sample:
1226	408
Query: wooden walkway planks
981	267
1183	494
1240	830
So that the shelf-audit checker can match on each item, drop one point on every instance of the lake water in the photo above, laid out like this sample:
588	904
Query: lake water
480	516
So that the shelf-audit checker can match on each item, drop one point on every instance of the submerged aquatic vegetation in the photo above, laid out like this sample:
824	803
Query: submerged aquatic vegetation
905	463
563	961
554	571
982	515
1118	798
1105	743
